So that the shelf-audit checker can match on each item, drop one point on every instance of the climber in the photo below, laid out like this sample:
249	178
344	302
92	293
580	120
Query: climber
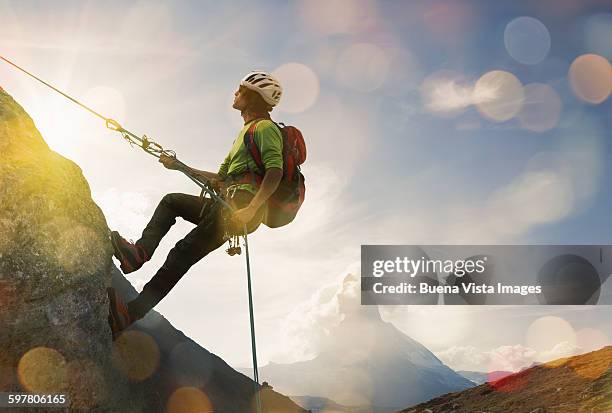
255	98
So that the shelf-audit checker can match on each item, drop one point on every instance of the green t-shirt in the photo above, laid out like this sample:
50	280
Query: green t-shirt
268	139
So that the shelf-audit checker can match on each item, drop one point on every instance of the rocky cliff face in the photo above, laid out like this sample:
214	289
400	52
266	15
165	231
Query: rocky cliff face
55	265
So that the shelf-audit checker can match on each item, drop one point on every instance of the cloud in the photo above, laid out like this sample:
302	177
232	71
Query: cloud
562	349
463	357
532	198
549	190
447	95
307	326
510	358
126	212
307	329
504	358
324	187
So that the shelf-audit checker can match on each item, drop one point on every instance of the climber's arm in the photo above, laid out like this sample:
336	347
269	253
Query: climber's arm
269	184
208	176
173	163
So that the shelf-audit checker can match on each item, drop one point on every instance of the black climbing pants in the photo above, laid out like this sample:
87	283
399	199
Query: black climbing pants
207	236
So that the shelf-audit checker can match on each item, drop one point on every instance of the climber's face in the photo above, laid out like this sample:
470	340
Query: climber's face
240	99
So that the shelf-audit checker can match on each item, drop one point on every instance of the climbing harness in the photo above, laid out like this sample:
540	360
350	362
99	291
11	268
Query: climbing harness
153	148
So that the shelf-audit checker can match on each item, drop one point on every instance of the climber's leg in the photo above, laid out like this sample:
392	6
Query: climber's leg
170	207
204	238
118	315
133	256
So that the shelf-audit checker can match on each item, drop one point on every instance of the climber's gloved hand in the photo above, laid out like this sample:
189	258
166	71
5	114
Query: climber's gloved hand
170	162
218	185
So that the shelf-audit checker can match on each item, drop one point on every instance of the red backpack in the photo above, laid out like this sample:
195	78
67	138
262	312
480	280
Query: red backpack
285	202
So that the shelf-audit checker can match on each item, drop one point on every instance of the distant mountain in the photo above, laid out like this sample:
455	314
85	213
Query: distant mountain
480	377
367	362
323	405
574	384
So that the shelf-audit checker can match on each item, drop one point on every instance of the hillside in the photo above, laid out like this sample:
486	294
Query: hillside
579	384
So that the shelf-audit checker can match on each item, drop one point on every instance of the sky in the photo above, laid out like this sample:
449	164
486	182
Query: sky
438	122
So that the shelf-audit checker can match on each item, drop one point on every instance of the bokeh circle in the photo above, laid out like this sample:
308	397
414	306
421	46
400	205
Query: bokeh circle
591	78
527	40
498	95
300	87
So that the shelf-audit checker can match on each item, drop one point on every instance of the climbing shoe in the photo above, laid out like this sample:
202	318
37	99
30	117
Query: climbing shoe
119	317
131	256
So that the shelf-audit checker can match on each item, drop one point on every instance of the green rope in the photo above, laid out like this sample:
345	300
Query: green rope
252	318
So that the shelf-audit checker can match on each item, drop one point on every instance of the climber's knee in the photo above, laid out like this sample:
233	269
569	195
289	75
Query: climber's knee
169	199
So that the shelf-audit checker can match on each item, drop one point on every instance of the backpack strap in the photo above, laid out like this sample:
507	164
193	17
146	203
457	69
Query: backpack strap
251	146
252	149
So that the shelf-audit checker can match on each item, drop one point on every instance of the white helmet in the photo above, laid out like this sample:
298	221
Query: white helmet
265	84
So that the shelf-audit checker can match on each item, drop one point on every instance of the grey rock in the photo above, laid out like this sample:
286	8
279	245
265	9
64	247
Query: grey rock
54	267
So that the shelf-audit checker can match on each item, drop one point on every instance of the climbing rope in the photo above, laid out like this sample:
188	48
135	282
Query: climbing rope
153	148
